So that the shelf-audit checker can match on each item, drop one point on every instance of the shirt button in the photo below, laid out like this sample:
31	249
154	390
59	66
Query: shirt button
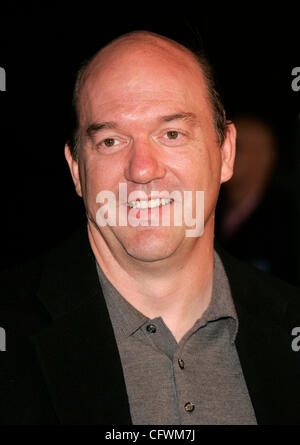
181	363
189	407
151	328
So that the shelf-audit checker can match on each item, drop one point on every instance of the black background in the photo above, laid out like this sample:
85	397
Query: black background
253	51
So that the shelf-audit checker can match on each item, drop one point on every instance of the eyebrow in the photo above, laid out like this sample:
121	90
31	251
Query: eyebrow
183	116
95	127
98	126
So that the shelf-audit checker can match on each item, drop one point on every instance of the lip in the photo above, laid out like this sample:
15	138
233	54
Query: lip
149	199
145	214
153	195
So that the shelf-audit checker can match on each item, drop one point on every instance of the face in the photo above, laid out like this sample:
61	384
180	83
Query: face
146	122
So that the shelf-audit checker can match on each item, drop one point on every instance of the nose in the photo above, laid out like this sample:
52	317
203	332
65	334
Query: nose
144	164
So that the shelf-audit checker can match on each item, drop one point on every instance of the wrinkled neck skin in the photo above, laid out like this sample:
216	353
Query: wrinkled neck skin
177	288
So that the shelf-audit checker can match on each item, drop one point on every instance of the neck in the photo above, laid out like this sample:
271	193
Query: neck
147	286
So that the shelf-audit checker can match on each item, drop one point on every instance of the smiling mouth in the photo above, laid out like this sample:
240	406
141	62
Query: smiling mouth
149	204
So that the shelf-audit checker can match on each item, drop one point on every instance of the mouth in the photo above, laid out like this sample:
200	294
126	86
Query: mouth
150	203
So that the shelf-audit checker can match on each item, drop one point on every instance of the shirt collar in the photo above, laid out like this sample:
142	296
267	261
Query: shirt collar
221	304
126	319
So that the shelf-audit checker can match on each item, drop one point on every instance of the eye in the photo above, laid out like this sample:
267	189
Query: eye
172	138
109	142
173	134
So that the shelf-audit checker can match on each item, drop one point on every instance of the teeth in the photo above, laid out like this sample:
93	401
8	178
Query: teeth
149	204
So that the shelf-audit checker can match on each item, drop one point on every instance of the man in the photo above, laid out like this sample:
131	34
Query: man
132	320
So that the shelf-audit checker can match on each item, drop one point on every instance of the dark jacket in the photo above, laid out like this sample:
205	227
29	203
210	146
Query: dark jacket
61	364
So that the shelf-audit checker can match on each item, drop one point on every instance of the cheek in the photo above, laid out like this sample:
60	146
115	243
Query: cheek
89	175
202	170
99	176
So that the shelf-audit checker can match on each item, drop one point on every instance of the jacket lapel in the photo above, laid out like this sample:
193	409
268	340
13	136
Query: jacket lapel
270	366
77	351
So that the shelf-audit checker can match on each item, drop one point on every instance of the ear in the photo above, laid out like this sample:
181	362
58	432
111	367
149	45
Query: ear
74	169
228	150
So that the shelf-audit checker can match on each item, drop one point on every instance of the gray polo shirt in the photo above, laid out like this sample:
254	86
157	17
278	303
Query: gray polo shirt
197	381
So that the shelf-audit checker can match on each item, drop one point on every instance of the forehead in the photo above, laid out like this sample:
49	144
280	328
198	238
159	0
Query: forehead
139	78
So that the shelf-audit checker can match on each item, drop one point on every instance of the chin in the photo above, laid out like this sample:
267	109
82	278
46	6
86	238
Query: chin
149	256
151	245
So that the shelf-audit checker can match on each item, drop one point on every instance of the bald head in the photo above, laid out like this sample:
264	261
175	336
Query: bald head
139	44
143	51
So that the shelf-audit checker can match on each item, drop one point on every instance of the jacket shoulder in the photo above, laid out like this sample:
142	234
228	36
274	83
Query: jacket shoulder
17	281
258	291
